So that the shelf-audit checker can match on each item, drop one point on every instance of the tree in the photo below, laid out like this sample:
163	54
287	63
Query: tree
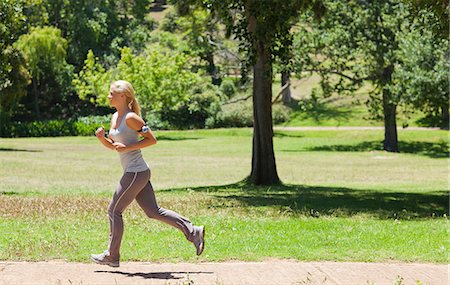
438	13
354	43
44	50
263	30
102	26
439	8
423	74
161	80
201	31
13	75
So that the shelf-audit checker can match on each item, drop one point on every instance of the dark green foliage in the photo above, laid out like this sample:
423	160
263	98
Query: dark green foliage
83	126
52	128
380	42
228	87
238	115
169	23
195	113
233	115
13	75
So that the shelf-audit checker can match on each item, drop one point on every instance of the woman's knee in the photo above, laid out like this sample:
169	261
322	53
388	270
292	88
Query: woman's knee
114	211
153	213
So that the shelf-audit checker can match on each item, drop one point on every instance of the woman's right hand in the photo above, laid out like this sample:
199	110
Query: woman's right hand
100	132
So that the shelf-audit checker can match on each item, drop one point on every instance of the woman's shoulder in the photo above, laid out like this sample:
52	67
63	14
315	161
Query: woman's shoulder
134	121
132	116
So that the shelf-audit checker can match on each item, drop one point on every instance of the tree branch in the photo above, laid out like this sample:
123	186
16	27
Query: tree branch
356	80
285	86
223	48
237	100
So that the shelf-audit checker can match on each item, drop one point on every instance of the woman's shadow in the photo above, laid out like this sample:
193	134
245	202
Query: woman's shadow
153	275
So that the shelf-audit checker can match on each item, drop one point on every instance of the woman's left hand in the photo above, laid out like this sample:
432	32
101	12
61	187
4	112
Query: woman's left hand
120	147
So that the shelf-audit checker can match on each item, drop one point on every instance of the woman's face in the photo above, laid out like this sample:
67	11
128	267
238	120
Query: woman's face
114	97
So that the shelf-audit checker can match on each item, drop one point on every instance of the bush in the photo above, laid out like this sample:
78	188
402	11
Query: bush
195	113
227	87
52	128
233	115
280	113
83	126
238	115
86	126
154	121
169	23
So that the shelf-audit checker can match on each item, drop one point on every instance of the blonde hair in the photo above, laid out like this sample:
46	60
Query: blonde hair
125	88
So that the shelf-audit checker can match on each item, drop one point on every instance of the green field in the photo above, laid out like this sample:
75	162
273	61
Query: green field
342	199
339	110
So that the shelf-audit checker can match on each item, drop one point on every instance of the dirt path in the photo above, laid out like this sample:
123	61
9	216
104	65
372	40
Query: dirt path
277	272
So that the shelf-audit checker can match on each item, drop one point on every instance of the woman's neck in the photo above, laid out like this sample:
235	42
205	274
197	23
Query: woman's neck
122	110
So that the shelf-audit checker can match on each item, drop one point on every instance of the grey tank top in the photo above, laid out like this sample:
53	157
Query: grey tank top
132	161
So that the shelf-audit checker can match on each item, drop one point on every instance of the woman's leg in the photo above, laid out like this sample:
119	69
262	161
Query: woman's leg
147	201
129	187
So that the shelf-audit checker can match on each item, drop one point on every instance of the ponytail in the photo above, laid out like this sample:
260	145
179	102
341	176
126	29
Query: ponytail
134	106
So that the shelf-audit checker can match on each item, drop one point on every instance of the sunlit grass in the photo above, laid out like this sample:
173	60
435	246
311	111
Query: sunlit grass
342	199
337	110
203	158
74	238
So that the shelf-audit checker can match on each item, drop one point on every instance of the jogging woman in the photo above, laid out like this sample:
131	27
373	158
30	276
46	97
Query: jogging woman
126	128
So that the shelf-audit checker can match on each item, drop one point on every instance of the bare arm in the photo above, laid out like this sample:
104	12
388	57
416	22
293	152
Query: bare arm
100	134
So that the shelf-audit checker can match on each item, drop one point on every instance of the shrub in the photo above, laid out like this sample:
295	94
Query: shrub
194	113
227	87
52	128
233	115
86	126
280	113
237	115
83	126
169	23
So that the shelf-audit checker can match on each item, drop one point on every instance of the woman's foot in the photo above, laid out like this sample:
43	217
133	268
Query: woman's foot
105	259
199	239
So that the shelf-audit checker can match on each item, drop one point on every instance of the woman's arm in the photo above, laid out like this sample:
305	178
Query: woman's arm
136	123
100	134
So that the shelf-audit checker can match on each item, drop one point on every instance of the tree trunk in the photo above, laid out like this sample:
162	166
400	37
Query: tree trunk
36	100
390	124
264	171
212	69
445	116
285	78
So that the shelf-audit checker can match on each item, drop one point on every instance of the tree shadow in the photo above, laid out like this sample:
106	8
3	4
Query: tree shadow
433	150
9	193
282	134
17	149
152	275
174	138
319	201
320	111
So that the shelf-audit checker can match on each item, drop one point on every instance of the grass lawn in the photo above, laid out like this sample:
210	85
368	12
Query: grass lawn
342	199
338	110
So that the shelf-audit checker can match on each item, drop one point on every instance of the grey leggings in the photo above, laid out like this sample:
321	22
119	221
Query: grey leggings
136	185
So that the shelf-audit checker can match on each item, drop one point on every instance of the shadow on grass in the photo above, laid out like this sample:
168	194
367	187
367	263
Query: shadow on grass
151	275
320	111
330	201
9	193
17	149
433	150
282	134
174	138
